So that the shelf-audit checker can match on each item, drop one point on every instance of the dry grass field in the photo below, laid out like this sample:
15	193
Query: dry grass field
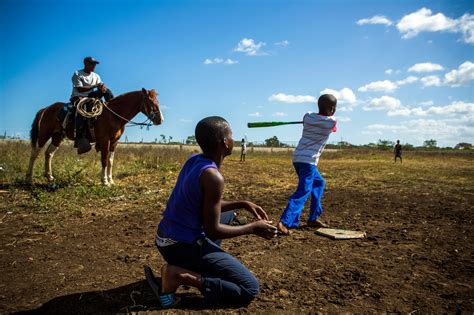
80	247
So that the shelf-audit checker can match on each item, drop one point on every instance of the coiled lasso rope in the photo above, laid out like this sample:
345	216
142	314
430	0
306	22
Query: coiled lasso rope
96	108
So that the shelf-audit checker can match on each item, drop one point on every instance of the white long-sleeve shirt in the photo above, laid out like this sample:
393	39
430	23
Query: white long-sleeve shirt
316	131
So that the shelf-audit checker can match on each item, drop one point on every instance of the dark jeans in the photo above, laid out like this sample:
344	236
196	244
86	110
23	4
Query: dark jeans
225	279
81	121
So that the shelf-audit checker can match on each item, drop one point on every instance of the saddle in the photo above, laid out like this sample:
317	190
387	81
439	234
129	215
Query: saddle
68	115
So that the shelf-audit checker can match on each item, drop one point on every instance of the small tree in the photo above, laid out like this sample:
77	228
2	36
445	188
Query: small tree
169	139
385	144
463	146
430	144
163	138
191	140
272	142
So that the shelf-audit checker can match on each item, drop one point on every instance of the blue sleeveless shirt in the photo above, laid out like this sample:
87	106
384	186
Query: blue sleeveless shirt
182	218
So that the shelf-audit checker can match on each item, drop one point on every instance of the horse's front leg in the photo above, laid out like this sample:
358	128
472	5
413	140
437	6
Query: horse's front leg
104	159
112	147
109	167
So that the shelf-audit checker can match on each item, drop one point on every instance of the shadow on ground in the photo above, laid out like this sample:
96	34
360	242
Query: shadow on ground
132	297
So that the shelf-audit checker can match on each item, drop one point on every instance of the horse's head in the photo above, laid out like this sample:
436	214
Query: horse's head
151	107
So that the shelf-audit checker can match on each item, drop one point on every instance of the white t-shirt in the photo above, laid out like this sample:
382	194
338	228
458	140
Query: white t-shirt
82	79
244	147
316	131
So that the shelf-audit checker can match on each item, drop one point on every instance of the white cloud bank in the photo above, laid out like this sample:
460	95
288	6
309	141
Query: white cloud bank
250	48
424	20
425	67
445	131
452	109
376	19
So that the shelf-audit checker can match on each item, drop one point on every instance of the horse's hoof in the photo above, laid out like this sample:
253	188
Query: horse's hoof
49	178
111	182
106	183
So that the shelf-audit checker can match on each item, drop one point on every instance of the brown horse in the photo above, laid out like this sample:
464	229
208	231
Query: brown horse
108	128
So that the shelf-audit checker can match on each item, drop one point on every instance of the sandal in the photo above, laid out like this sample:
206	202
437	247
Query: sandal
167	300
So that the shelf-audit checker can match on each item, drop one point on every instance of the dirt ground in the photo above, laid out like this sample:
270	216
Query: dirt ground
418	255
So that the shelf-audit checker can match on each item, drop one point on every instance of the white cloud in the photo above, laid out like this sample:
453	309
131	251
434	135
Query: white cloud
431	80
376	19
283	43
250	48
279	114
343	96
230	61
452	109
214	61
466	27
407	80
383	103
379	86
288	98
423	20
256	114
425	67
389	71
460	76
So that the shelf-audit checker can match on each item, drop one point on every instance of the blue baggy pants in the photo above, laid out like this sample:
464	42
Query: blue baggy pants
225	279
309	182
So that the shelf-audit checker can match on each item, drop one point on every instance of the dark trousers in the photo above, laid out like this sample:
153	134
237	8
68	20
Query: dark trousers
80	120
225	279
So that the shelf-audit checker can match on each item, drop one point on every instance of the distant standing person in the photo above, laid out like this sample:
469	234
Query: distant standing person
397	150
316	131
243	150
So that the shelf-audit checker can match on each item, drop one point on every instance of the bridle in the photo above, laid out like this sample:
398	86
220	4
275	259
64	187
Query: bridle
146	108
143	108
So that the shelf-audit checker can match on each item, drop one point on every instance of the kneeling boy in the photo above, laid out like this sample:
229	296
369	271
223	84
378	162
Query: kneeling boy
196	219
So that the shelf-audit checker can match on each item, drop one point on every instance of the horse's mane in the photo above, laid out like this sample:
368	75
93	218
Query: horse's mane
152	93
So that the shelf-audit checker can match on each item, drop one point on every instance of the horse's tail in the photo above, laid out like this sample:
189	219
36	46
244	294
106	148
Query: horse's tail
35	128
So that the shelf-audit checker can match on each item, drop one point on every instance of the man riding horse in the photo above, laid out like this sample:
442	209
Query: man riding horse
86	83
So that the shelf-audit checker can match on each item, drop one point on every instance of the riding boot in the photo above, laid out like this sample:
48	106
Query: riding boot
81	142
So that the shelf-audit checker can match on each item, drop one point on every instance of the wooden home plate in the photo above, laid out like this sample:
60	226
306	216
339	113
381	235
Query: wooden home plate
338	234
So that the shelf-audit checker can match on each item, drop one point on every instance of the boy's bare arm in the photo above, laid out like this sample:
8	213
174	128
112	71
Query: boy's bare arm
254	209
212	185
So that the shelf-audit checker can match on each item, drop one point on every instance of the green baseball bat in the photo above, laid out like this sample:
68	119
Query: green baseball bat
271	123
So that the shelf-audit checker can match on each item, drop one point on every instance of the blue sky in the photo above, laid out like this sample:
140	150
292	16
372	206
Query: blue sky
400	69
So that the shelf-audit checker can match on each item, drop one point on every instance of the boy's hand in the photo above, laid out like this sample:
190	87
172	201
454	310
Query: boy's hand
265	229
257	211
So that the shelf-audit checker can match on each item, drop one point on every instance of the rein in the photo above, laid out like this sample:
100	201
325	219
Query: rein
131	122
